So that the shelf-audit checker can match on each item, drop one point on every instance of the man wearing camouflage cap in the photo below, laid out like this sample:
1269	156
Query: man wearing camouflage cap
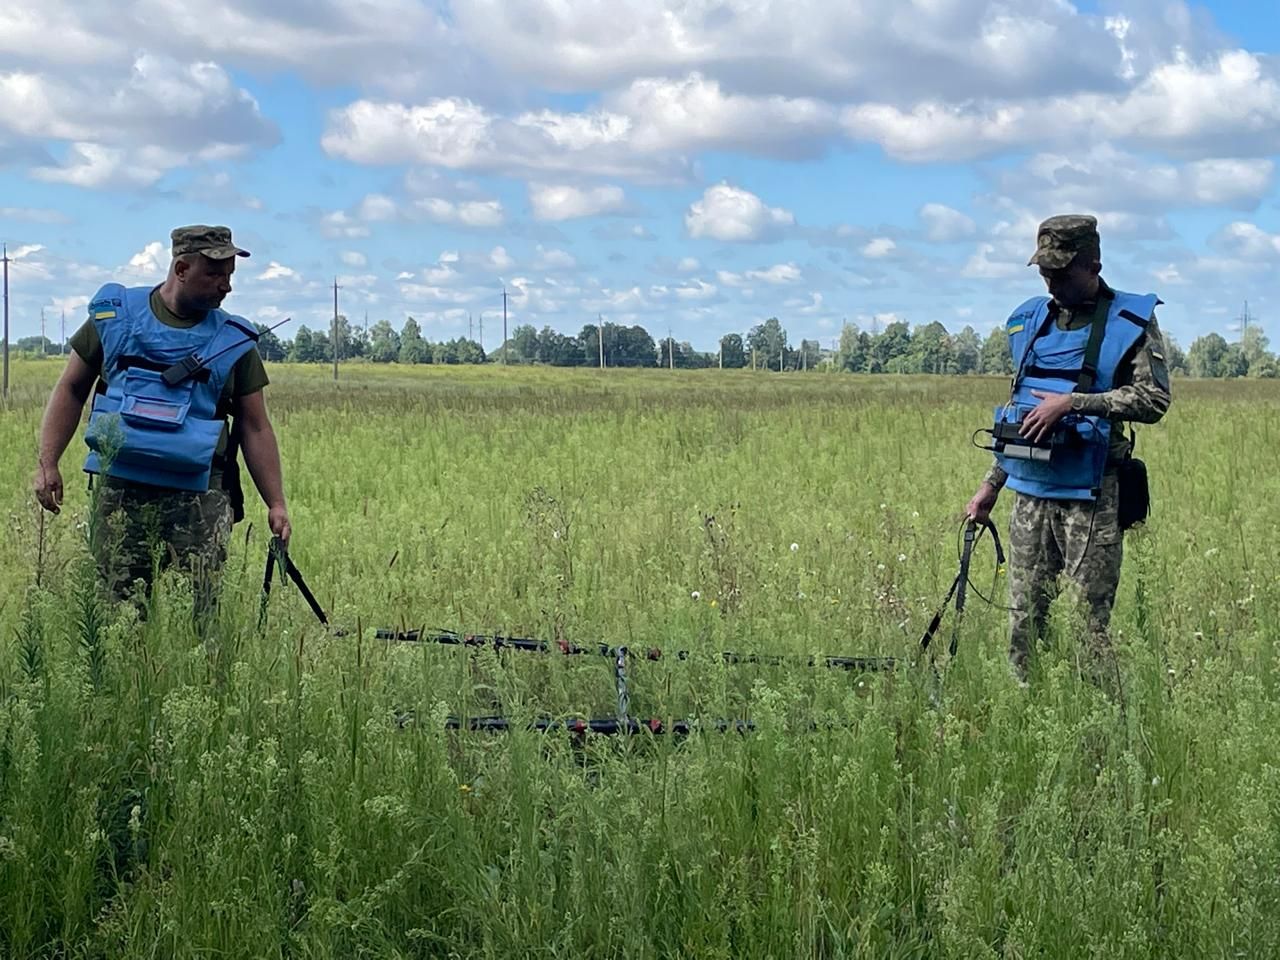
1087	359
170	367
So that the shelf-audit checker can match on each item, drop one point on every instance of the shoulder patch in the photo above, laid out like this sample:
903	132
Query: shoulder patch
1015	328
104	309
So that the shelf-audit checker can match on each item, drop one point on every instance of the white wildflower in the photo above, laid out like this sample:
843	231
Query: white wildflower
696	595
795	547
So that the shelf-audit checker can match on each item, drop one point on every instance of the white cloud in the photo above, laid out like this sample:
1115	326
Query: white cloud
340	225
151	262
1247	241
944	224
688	265
1110	179
780	273
355	259
695	290
695	113
278	271
1227	104
813	47
552	259
377	208
456	133
558	202
981	267
735	215
131	131
469	213
878	248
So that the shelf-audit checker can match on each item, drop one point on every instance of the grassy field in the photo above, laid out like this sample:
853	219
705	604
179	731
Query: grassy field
262	794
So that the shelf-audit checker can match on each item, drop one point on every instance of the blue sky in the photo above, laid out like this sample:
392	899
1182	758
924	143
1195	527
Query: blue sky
687	165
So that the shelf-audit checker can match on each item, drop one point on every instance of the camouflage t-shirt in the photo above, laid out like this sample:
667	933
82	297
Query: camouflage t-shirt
248	376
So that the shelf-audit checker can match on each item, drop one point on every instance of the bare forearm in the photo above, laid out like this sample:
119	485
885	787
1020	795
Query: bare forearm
262	457
61	418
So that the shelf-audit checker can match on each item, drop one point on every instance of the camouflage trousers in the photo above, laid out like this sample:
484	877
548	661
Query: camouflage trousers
133	527
1081	540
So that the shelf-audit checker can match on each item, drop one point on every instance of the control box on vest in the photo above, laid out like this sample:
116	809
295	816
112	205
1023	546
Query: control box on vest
1009	441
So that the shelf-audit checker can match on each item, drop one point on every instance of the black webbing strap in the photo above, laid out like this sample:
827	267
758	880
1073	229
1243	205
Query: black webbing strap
278	552
1093	349
131	360
960	585
189	366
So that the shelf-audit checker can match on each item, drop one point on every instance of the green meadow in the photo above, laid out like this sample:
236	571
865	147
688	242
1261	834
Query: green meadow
263	787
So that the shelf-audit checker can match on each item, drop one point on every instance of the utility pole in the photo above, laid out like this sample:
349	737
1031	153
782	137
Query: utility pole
4	256
504	324
722	353
600	336
671	351
471	328
335	329
482	331
42	341
753	358
63	349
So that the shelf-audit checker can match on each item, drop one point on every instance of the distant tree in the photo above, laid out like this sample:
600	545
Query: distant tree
1174	355
996	357
635	348
523	344
269	345
1253	345
557	350
732	352
1204	358
931	350
966	349
303	349
769	341
413	349
384	343
854	352
891	348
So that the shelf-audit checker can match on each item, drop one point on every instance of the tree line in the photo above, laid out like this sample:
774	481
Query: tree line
897	348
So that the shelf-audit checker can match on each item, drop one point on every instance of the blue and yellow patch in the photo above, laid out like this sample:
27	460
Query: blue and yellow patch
104	309
1015	328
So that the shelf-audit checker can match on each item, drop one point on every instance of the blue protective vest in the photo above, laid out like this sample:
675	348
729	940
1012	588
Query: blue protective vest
142	428
1050	359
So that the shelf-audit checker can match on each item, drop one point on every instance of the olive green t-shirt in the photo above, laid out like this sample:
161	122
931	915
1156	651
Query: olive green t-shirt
246	377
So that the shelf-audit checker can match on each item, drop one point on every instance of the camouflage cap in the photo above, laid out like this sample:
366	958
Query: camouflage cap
1059	239
214	242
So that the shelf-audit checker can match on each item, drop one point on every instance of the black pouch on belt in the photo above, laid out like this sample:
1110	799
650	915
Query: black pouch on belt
1135	494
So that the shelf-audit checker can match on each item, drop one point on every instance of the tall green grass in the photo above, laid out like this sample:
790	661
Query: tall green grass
291	793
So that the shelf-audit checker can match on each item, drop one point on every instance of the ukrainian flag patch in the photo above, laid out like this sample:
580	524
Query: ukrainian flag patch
1015	328
104	315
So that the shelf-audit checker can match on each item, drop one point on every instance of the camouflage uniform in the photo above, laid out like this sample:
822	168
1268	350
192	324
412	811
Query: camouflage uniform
134	526
1081	539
